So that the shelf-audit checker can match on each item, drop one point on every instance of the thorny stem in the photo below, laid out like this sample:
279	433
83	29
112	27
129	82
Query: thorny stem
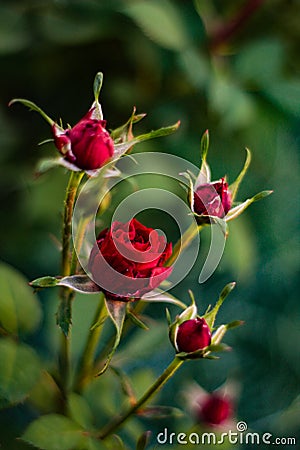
66	294
156	386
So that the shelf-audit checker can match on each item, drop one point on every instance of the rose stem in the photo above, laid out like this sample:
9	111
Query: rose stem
67	294
87	359
159	383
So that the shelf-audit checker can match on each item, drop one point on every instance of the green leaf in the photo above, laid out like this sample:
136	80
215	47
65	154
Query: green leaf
233	188
80	283
117	313
55	432
210	316
79	411
33	107
161	21
237	210
20	310
20	370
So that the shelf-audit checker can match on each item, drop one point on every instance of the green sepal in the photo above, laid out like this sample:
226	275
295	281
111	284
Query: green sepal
237	210
33	107
78	283
117	313
98	81
124	132
44	282
204	145
233	188
204	173
210	315
222	329
122	148
133	317
158	295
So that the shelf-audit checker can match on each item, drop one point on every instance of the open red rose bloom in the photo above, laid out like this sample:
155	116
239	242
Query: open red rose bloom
128	260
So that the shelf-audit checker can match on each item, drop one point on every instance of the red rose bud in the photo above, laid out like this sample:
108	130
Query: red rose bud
193	335
215	409
212	199
128	249
88	144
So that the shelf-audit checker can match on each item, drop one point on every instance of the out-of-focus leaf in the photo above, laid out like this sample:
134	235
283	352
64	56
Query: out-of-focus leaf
253	65
79	411
235	107
55	432
20	310
142	343
20	370
161	21
71	28
285	94
14	35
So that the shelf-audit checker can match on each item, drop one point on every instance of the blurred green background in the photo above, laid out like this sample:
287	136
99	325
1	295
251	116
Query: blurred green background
231	67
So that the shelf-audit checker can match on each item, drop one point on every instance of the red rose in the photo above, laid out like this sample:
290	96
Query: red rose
128	260
212	199
193	335
215	409
88	144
